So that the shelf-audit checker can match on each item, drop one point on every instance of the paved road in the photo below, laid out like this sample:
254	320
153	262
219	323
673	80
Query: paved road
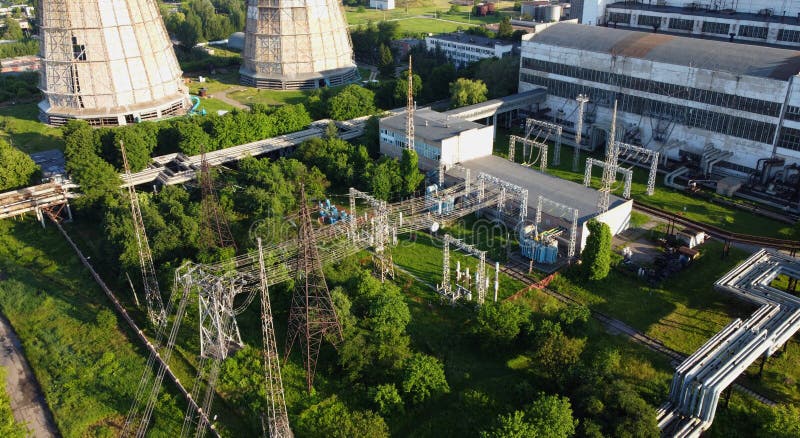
27	401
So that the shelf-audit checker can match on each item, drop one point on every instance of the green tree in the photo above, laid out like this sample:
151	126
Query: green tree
13	30
16	167
467	92
351	102
400	94
551	417
596	255
784	422
385	61
387	399
385	179
409	171
424	378
330	418
558	352
499	323
504	29
513	425
190	31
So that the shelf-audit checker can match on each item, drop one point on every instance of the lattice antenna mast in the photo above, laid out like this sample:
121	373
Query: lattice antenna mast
311	316
582	99
610	169
216	230
152	293
277	417
410	109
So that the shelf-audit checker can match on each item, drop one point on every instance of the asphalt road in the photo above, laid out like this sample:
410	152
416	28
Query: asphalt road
27	401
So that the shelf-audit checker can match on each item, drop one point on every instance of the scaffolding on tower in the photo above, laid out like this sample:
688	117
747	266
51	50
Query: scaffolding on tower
610	168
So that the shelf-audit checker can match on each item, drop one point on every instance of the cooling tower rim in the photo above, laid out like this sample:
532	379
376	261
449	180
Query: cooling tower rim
300	77
48	113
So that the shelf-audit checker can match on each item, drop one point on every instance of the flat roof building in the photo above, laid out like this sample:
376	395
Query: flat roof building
555	189
462	48
726	105
438	138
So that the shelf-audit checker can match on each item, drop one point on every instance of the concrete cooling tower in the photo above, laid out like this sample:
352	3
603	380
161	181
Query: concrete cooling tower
296	44
109	62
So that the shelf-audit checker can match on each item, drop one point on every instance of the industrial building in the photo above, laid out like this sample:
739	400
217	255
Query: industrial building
732	109
385	5
753	22
109	63
559	191
296	45
544	11
438	138
462	48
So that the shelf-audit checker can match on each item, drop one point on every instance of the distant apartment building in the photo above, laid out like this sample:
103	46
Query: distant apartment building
381	4
729	106
749	21
462	48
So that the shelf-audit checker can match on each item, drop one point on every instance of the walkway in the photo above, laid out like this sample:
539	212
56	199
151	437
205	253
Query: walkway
27	401
223	96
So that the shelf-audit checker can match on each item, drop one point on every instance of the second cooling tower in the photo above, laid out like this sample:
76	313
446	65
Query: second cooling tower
296	45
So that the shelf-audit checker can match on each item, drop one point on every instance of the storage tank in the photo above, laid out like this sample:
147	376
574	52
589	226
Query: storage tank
481	9
490	8
551	13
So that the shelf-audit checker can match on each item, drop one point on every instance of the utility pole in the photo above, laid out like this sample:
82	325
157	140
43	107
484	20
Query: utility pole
312	315
582	99
410	109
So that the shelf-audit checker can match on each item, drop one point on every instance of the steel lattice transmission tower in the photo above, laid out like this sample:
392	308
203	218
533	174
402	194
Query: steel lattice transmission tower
410	109
277	417
610	169
216	231
110	63
298	44
311	315
152	293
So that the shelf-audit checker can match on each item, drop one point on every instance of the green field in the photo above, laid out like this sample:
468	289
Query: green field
249	96
21	125
699	209
415	26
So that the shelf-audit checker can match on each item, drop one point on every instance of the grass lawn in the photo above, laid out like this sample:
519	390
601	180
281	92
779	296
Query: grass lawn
212	105
249	96
85	362
21	126
731	219
414	26
684	312
423	259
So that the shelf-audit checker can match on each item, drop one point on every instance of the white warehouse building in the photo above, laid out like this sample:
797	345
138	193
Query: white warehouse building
462	48
385	5
677	95
437	138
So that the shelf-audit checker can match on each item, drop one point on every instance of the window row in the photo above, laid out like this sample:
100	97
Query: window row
707	120
789	139
679	91
792	36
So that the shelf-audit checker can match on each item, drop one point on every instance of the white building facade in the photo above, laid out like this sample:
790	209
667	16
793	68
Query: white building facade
381	4
676	95
754	21
462	49
438	138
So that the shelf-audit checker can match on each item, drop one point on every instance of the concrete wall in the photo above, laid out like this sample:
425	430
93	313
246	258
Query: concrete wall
618	219
475	143
594	10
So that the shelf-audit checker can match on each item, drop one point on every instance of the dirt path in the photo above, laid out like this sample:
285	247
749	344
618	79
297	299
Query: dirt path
27	401
223	96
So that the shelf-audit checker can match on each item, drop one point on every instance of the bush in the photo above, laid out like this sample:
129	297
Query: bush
596	256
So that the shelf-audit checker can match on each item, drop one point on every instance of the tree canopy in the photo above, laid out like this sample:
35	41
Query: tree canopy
13	31
424	378
467	92
353	101
596	255
16	167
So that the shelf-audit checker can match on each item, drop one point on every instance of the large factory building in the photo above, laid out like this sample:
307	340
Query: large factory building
727	106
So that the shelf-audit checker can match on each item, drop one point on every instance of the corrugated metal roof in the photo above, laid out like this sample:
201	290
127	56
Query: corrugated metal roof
736	58
431	125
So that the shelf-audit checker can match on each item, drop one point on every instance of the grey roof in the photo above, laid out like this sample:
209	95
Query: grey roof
431	125
553	188
467	38
727	14
738	59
